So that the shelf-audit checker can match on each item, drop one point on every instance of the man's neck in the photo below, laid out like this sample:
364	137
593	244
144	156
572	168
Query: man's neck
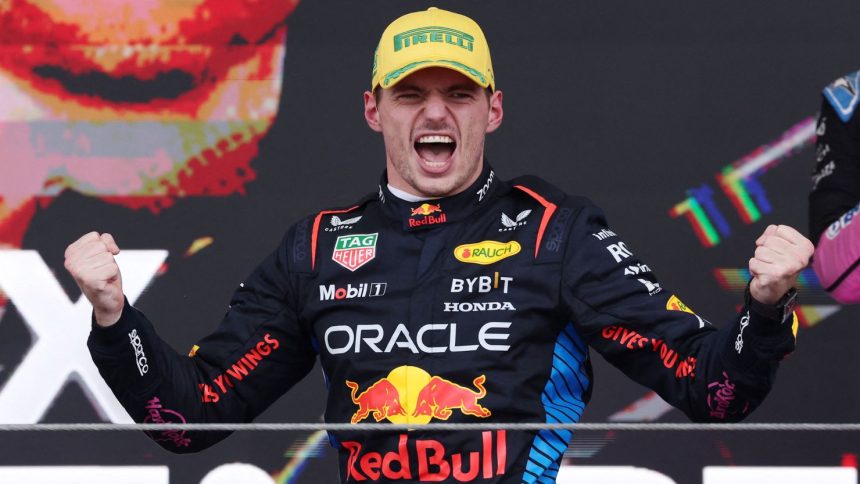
403	195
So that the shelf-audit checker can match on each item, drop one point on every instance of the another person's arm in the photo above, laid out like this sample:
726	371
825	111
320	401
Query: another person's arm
257	353
833	201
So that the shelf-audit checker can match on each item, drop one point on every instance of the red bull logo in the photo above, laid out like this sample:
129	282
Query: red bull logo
428	460
426	209
382	399
410	395
440	396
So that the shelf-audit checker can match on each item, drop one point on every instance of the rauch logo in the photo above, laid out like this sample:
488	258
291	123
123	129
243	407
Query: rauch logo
486	252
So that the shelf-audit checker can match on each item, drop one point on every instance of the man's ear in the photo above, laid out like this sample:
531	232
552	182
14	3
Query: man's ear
496	112
371	113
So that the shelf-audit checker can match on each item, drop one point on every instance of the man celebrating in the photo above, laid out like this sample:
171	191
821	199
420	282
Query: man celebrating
449	295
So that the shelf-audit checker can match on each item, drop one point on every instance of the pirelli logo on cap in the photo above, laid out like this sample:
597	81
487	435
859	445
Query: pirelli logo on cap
486	252
433	34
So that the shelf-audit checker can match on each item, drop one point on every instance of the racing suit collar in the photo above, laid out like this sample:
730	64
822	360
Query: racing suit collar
439	211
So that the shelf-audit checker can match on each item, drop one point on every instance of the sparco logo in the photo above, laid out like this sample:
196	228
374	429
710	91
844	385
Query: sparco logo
142	366
739	342
556	232
300	244
373	289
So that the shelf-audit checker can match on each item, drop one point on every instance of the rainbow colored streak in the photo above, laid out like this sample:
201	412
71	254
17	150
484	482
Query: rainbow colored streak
738	180
735	280
809	315
312	447
692	210
739	191
700	209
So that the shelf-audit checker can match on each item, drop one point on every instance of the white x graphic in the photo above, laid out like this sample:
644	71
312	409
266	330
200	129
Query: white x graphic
59	330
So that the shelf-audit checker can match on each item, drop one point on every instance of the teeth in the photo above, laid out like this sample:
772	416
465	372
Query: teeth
435	139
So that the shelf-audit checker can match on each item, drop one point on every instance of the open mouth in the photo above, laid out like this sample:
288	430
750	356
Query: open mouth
436	152
126	89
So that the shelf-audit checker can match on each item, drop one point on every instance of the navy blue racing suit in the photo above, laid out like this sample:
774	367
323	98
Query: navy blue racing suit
480	307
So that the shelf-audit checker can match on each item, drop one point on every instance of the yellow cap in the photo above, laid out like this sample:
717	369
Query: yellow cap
429	38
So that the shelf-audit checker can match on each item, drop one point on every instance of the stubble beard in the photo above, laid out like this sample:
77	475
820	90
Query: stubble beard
428	186
434	187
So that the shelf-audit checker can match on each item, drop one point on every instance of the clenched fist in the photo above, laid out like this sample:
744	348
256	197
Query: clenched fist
90	261
781	253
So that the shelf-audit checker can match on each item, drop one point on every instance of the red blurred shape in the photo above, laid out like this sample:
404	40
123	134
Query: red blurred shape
440	396
381	398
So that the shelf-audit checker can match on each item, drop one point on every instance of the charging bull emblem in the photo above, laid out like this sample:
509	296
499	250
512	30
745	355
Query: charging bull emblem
426	209
440	396
381	398
410	395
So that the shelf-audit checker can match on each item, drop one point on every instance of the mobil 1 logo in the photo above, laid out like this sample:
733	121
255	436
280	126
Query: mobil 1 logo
330	292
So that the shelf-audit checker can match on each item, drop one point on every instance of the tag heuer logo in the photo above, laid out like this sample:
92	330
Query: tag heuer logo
353	251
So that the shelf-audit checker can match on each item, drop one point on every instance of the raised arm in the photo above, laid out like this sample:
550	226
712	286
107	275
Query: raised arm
710	373
256	354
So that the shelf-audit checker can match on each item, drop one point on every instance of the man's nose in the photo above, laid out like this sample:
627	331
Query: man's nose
435	107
